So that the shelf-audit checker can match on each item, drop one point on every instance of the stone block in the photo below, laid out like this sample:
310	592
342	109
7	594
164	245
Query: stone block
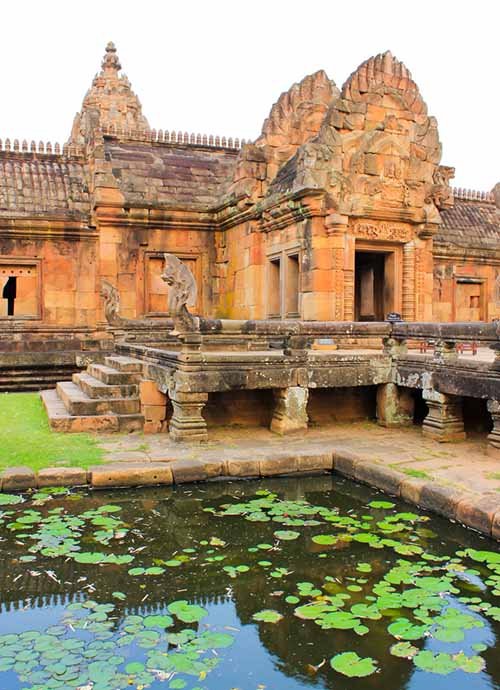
290	412
243	467
439	499
411	488
380	476
495	526
345	463
62	476
150	395
154	413
18	479
130	474
278	464
478	512
315	462
188	471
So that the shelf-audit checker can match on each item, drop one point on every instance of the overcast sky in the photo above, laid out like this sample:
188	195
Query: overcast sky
217	66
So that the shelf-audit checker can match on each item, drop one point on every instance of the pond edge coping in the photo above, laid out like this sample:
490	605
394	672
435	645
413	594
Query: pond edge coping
479	511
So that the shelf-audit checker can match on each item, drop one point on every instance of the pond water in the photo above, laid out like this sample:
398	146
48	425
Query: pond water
295	583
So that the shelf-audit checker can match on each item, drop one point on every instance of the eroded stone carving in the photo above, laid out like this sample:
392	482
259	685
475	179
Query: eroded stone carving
111	298
382	231
182	293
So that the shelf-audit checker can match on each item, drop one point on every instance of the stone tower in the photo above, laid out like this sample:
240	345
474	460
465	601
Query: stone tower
110	102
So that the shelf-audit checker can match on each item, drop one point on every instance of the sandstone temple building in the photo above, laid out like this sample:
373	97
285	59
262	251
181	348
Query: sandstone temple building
339	211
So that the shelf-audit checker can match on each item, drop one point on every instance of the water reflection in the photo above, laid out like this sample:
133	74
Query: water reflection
288	655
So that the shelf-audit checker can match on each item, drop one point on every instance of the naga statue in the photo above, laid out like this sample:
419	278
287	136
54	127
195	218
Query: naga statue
182	293
111	304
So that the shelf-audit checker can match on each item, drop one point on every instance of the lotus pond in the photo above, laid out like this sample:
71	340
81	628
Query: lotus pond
270	585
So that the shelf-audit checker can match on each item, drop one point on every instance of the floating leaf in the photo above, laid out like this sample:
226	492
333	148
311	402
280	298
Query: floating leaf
353	666
267	616
439	663
286	535
404	650
385	505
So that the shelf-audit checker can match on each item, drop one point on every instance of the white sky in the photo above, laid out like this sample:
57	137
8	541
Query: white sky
217	67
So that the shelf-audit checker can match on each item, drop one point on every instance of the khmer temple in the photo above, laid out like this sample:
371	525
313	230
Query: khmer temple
339	212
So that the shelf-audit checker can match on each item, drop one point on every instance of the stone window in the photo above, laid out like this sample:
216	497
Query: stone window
469	299
274	288
19	289
283	285
156	289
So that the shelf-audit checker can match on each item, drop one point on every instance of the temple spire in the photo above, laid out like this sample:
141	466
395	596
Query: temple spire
110	102
110	61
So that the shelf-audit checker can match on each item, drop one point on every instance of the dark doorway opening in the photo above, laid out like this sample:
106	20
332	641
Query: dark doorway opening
421	409
9	293
477	419
373	285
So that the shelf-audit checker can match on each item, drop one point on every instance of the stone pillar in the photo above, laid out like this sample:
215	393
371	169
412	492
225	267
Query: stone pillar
445	421
395	405
494	435
290	411
187	422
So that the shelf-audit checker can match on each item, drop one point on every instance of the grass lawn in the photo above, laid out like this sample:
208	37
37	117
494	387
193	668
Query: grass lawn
26	439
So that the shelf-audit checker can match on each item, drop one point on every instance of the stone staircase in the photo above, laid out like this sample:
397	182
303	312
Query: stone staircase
105	398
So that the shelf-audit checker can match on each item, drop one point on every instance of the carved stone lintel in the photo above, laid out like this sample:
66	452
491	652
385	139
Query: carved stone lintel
290	412
111	304
444	421
182	293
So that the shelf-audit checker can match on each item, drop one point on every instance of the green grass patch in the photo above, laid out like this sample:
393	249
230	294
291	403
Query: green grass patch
26	439
418	474
493	475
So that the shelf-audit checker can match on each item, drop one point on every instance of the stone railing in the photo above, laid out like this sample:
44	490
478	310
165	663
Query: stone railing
41	148
472	194
448	340
161	136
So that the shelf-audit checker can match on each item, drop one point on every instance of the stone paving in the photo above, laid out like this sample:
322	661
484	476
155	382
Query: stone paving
464	465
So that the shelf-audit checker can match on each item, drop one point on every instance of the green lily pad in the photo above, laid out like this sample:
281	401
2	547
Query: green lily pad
351	665
439	663
267	616
286	535
186	612
384	505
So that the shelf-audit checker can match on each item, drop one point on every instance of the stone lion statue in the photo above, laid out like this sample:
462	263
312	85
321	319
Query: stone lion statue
182	293
111	298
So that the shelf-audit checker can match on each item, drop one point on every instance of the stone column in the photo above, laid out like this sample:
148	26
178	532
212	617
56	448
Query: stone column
187	422
445	421
494	435
290	411
395	405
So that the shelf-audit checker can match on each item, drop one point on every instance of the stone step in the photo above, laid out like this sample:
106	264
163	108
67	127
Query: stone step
111	376
77	403
124	364
61	421
97	389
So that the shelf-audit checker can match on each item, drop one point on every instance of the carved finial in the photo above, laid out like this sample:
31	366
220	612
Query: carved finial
111	303
110	60
182	293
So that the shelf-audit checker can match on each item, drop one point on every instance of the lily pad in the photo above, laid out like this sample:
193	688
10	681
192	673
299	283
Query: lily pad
353	666
267	616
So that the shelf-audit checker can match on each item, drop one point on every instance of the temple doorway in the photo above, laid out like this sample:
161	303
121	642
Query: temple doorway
374	296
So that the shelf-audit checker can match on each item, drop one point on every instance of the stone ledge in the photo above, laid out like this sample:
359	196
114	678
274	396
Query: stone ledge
478	511
130	474
62	476
18	479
